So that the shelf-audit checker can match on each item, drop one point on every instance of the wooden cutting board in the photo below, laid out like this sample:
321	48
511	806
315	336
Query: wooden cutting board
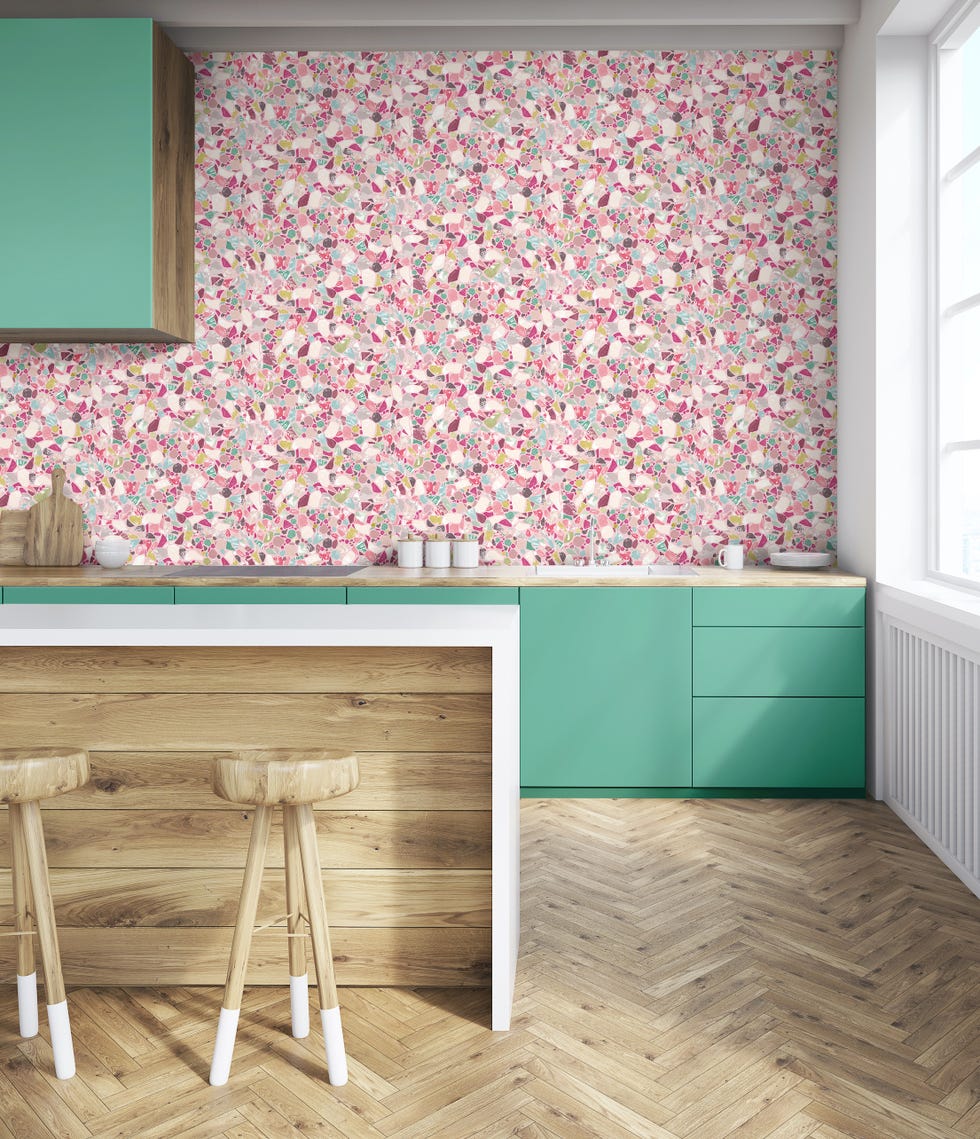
54	528
13	534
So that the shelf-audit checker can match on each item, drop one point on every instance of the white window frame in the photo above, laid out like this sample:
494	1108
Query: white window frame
955	28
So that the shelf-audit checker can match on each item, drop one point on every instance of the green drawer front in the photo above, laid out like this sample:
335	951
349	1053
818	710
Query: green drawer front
431	595
261	595
778	743
778	662
755	605
88	595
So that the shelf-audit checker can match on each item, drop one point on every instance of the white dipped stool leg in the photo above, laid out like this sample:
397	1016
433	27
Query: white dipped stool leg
27	1005
224	1044
61	1045
333	1039
26	972
54	985
299	984
322	958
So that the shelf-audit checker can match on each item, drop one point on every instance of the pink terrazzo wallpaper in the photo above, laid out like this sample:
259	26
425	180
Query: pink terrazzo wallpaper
498	293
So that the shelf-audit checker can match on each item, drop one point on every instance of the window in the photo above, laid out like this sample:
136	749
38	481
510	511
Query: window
956	436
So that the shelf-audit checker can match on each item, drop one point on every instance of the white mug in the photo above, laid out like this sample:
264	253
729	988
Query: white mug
731	556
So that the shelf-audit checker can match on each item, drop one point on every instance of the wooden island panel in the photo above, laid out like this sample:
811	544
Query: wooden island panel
146	861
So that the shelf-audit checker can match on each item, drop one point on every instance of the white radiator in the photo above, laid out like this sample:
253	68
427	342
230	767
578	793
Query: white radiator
929	725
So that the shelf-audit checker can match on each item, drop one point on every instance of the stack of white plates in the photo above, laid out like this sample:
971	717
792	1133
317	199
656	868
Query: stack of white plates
800	559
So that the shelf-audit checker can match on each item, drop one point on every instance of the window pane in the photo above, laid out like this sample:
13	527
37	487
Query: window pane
959	402
970	64
959	510
959	95
961	236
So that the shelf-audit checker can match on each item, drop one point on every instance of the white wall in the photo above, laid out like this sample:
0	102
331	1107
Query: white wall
857	476
902	303
857	481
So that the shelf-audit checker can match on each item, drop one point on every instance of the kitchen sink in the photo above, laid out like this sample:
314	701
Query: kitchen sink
657	569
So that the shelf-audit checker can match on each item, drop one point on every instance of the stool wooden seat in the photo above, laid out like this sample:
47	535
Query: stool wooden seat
27	775
293	780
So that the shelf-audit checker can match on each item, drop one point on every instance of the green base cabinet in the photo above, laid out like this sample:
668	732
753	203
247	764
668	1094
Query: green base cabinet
779	685
432	595
605	687
88	595
260	595
760	742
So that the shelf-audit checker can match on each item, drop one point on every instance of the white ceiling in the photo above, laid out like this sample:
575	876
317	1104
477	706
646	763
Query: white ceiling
367	24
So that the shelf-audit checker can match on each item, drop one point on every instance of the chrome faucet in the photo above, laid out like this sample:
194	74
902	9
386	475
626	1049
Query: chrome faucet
591	560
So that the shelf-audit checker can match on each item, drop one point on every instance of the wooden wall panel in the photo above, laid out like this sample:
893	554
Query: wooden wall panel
381	956
390	781
367	840
194	898
259	669
223	721
146	861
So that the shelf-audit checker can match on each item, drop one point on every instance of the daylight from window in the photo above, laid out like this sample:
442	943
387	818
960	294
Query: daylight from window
958	260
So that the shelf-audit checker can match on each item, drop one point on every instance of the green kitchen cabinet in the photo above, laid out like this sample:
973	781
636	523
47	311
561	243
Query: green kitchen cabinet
785	743
779	605
778	662
260	595
88	595
605	687
97	195
779	686
432	595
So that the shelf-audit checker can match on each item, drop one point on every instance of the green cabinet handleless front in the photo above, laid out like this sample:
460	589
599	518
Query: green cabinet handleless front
88	595
785	743
773	661
605	687
260	595
779	605
97	195
432	595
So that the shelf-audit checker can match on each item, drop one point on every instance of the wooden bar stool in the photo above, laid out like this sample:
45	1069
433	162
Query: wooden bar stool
293	780
27	775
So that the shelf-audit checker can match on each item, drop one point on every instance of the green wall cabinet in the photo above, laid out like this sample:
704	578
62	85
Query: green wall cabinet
97	198
605	687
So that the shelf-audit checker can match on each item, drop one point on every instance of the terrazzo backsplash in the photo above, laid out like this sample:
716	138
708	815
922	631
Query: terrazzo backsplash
497	293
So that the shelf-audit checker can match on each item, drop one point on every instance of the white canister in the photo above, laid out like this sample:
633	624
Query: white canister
437	553
466	553
410	553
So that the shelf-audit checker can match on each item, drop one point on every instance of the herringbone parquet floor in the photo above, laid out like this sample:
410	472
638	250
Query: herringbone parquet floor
689	970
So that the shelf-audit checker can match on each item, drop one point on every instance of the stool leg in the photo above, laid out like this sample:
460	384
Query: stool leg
224	1044
333	1035
299	995
26	970
54	985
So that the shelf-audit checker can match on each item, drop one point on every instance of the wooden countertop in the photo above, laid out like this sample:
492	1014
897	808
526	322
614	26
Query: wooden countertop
523	576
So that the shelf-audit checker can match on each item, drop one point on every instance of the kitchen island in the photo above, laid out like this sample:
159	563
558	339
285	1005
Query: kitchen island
420	862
